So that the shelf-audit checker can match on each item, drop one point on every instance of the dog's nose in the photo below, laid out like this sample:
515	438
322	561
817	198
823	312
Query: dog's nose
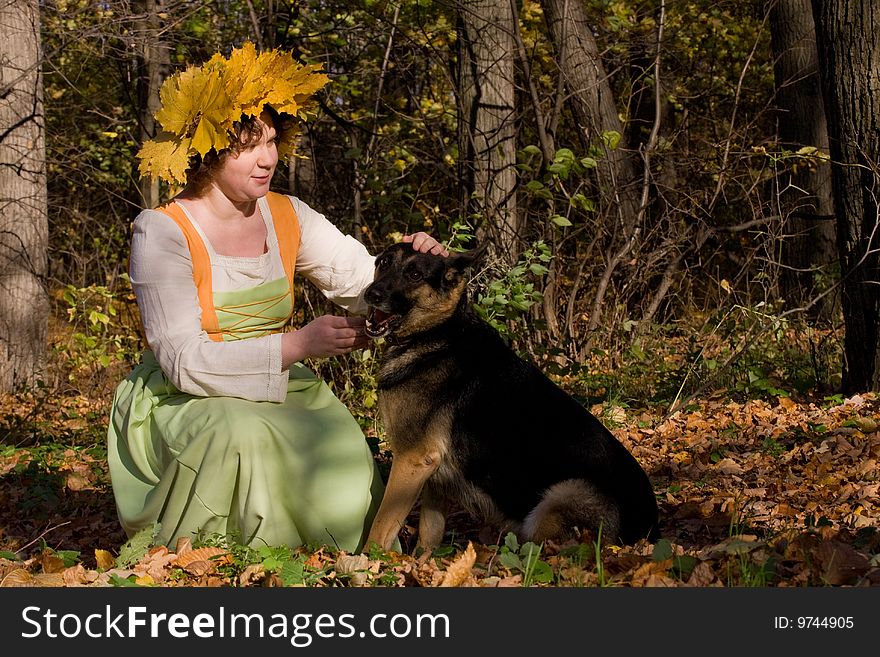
371	294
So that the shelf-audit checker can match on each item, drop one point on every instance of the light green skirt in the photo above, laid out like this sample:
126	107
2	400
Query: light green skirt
293	473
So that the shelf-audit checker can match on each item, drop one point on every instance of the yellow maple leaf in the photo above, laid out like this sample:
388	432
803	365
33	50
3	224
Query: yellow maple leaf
195	104
294	85
200	106
287	145
270	78
245	79
165	157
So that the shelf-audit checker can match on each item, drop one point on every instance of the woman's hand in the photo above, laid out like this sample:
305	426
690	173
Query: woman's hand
328	335
426	244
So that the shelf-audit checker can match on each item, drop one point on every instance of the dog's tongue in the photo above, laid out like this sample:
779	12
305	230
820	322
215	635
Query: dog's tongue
379	316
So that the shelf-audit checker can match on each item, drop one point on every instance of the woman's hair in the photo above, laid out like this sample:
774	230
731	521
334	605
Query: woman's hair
247	133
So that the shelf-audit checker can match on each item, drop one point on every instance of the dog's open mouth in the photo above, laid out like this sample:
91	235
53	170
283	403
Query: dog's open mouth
379	323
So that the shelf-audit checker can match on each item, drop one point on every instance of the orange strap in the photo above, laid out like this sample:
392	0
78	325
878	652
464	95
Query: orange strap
286	230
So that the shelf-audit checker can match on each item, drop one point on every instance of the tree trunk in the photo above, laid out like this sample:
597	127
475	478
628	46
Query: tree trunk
808	245
153	63
849	67
595	111
24	231
592	102
487	113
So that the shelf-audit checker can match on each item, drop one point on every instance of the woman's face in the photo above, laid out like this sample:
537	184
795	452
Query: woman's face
246	176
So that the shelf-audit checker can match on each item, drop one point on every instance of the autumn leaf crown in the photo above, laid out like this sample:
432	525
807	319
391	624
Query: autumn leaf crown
201	105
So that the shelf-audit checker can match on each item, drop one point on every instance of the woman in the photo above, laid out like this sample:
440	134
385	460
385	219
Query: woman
221	429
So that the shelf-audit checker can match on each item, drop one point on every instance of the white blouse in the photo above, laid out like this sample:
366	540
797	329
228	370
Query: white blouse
162	277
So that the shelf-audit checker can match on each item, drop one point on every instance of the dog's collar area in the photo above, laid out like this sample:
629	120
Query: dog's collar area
394	341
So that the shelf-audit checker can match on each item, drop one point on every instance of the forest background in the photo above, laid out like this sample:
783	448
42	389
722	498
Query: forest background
680	199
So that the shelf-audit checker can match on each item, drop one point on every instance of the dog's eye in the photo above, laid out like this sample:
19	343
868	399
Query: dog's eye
414	275
382	262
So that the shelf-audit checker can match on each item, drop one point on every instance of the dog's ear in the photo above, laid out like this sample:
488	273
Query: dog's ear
467	259
458	263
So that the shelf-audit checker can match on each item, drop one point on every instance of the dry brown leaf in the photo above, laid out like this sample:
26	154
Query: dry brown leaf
659	580
702	575
16	578
184	545
732	545
841	564
51	563
511	581
199	567
729	467
346	564
49	579
77	482
459	570
251	574
214	554
156	563
75	576
356	566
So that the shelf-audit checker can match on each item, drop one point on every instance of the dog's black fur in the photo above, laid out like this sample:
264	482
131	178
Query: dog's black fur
470	422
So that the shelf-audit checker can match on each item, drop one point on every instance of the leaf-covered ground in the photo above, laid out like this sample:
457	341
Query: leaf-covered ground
755	493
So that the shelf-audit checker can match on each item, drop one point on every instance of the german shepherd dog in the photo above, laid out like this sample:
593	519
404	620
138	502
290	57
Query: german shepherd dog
471	423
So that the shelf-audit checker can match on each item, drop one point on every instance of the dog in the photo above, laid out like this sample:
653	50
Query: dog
471	423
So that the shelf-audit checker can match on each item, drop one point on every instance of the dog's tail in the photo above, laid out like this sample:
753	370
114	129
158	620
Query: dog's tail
570	504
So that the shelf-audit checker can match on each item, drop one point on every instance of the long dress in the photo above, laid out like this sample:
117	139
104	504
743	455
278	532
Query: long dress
235	454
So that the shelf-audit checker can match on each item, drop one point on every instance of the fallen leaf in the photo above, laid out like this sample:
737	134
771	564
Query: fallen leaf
184	545
460	569
729	466
841	564
104	559
702	575
53	580
347	564
787	403
251	574
16	578
216	554
75	576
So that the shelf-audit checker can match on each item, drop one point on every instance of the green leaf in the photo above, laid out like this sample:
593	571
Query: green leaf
510	561
662	550
684	565
542	572
530	551
582	202
589	162
272	563
11	556
292	572
69	557
611	138
137	546
116	580
560	221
